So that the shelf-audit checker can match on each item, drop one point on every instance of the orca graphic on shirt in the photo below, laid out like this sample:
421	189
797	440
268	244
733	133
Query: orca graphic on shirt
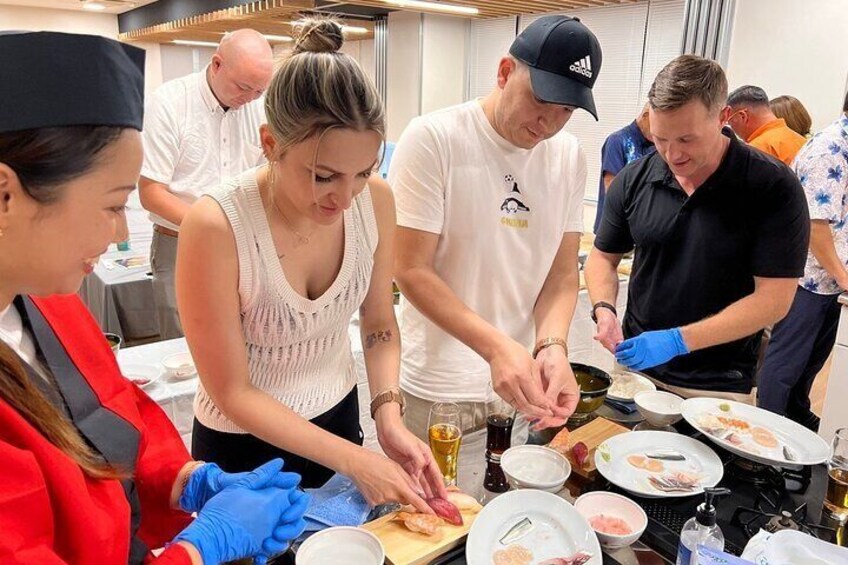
513	204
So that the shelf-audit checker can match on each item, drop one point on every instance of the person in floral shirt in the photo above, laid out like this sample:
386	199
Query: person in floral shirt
801	342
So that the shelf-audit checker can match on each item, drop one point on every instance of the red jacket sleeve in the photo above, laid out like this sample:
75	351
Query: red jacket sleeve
174	555
26	524
161	456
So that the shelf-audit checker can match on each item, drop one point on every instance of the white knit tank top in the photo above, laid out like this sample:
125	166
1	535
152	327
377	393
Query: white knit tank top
298	350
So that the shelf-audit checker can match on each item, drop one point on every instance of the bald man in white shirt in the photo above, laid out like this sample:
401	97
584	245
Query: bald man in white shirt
198	131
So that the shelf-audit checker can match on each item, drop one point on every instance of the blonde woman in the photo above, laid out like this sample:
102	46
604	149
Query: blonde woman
792	110
270	269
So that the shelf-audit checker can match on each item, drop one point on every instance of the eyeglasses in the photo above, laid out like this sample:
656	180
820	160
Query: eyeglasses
733	115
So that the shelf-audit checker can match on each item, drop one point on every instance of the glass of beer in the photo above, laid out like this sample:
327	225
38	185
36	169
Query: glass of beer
445	433
836	499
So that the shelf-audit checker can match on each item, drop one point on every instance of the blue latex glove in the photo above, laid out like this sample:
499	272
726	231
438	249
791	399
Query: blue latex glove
651	349
292	525
238	520
208	480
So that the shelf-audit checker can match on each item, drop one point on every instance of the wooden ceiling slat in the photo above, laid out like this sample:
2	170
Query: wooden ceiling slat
273	17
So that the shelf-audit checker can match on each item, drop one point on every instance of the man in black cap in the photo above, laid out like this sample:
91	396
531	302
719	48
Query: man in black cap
490	210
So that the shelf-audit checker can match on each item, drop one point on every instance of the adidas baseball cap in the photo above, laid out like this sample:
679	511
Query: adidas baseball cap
564	59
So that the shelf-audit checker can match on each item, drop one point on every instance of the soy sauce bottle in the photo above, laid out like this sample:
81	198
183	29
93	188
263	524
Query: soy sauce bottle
498	439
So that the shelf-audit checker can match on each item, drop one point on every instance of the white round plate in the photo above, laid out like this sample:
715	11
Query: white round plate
643	381
133	371
805	447
611	461
558	529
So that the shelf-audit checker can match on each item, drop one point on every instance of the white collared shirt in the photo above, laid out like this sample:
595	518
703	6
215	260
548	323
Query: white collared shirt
192	145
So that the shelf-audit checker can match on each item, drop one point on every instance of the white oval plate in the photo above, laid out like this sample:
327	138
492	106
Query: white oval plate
611	461
132	371
807	447
647	384
558	529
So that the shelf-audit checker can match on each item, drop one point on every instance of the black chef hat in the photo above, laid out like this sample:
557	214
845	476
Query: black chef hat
60	79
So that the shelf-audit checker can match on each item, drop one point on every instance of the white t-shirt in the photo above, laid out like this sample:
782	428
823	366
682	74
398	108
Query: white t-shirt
192	145
501	212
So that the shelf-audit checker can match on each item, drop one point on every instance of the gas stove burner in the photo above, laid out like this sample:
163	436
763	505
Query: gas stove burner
759	475
766	476
782	522
769	515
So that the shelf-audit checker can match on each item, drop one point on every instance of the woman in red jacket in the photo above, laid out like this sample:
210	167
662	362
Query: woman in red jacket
91	470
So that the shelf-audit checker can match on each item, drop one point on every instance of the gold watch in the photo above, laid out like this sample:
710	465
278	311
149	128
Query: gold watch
385	397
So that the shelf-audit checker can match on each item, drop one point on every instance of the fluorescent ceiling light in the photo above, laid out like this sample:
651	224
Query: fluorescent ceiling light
93	6
439	7
278	38
194	43
354	29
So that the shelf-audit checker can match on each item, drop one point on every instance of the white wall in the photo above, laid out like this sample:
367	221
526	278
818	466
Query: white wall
795	47
403	86
40	19
443	61
181	60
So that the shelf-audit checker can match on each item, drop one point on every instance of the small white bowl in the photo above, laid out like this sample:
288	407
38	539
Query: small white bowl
179	366
659	408
614	505
535	467
342	544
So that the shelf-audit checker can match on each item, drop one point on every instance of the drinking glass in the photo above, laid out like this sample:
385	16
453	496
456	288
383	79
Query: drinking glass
445	433
836	498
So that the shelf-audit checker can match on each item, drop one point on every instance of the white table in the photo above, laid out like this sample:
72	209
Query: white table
176	397
120	298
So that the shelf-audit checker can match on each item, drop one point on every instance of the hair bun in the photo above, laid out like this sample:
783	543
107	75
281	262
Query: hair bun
319	35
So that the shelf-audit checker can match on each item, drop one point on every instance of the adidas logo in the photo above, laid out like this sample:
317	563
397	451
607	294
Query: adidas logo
583	67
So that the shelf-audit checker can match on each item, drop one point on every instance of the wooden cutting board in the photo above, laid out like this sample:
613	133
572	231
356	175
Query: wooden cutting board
404	547
593	434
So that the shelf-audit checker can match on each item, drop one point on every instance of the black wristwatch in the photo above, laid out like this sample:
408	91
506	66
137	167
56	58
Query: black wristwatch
602	304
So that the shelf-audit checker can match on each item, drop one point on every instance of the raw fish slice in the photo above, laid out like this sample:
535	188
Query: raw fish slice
427	524
578	558
513	555
464	502
764	437
561	441
445	509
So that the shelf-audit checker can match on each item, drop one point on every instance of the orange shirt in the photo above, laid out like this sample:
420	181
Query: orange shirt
778	140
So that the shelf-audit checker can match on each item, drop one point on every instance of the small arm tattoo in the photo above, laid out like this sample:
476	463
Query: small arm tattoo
381	336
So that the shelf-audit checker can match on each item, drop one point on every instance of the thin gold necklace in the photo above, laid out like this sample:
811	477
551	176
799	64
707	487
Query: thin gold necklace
301	239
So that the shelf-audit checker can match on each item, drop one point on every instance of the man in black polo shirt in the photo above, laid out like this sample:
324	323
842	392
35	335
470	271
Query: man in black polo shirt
720	233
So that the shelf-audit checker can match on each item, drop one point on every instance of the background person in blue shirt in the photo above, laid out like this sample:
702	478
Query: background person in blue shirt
620	148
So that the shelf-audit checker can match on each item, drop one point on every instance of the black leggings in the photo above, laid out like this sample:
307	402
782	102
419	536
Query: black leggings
235	453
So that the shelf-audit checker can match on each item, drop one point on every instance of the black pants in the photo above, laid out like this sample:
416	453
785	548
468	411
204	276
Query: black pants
799	346
235	453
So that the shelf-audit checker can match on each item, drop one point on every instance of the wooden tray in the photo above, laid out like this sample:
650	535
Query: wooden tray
404	547
593	434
